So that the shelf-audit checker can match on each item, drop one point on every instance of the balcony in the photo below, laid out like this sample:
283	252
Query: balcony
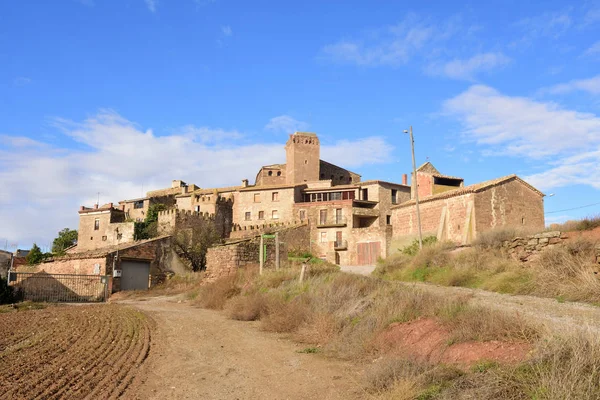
365	212
335	222
340	245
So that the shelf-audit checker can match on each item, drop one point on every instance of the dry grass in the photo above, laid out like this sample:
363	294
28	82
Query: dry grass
584	224
248	307
215	295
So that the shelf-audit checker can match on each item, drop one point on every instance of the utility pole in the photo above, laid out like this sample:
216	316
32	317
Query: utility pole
277	250
261	256
416	185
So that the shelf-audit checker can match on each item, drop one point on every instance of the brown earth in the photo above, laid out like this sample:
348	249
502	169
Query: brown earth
200	354
426	339
91	351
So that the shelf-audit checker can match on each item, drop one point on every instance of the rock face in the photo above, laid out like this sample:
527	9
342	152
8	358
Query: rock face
523	248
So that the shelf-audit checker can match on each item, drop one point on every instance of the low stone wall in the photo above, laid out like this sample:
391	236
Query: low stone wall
226	259
523	248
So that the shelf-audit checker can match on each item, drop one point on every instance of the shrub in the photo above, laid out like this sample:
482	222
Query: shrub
413	248
247	308
282	316
215	295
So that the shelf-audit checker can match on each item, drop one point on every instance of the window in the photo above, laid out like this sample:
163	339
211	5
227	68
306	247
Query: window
197	208
365	194
248	216
104	238
523	221
261	215
91	238
323	217
97	224
338	216
388	219
302	215
323	237
119	236
305	161
275	196
138	204
278	173
394	196
257	197
275	214
270	173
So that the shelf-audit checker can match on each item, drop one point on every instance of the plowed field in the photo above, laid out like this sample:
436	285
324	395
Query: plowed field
73	352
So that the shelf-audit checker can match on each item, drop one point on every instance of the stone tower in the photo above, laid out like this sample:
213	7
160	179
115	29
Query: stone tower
303	154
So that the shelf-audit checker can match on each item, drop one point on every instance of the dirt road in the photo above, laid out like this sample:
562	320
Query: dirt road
200	354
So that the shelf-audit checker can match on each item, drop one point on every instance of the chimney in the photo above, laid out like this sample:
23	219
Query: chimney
404	179
81	208
110	205
244	182
96	205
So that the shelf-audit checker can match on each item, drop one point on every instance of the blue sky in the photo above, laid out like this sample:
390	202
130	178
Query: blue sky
120	97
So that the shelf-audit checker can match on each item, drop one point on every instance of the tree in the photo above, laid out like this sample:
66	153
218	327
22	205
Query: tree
149	228
35	255
192	243
66	238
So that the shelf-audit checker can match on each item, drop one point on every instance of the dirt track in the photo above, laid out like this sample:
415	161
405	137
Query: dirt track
200	354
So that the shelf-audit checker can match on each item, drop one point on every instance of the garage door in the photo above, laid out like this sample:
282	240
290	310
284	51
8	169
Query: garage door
134	275
368	253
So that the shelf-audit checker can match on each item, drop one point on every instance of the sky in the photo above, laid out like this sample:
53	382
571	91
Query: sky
111	98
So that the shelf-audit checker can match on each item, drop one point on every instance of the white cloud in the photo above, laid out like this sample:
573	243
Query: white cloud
151	4
226	30
591	85
392	45
116	157
549	24
370	150
286	124
566	141
469	68
593	50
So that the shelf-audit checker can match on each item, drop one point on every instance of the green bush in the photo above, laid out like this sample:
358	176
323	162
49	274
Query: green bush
413	248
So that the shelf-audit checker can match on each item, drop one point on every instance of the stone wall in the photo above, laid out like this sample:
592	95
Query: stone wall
5	259
523	248
111	230
265	200
75	266
226	259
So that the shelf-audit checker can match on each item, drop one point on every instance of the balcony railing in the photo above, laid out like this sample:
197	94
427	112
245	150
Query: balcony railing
335	221
340	245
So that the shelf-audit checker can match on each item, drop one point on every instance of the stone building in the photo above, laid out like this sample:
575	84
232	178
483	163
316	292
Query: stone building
451	211
103	227
5	262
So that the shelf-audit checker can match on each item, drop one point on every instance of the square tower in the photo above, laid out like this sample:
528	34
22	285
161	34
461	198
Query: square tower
303	153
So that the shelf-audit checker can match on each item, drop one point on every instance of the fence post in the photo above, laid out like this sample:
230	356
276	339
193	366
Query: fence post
302	271
261	256
277	250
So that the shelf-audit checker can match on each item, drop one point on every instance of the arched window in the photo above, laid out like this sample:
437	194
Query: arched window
278	173
270	173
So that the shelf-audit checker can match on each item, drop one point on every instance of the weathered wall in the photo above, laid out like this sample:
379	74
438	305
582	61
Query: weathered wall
5	259
523	248
337	175
449	219
76	266
110	231
264	201
271	175
226	259
511	204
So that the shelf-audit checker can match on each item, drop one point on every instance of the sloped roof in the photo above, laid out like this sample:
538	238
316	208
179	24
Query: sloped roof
477	187
104	251
428	168
337	166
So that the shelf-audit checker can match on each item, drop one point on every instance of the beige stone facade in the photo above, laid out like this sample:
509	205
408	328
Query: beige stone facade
103	227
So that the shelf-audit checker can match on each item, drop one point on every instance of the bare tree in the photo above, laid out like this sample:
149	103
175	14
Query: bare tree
192	242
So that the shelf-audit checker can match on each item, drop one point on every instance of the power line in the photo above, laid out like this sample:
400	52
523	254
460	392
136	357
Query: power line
574	208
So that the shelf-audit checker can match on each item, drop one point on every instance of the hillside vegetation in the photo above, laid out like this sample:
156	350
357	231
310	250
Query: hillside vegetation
414	344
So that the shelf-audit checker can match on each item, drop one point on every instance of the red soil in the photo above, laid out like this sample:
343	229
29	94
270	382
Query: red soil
427	340
592	234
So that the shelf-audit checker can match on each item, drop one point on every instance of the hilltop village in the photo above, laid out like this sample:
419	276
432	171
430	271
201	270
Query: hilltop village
339	217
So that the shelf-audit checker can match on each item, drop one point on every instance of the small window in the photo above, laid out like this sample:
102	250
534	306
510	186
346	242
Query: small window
394	196
248	216
275	196
270	173
104	238
388	219
96	224
91	238
305	161
275	214
341	178
322	217
278	173
119	236
302	215
197	209
261	215
523	221
138	204
323	237
257	197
